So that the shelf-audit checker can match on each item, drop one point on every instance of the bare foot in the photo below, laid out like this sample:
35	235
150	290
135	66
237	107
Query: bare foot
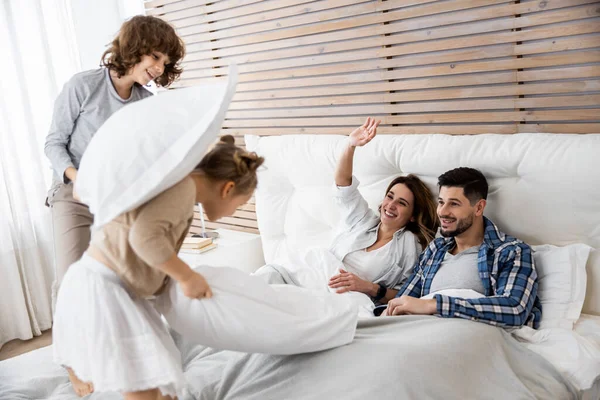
81	388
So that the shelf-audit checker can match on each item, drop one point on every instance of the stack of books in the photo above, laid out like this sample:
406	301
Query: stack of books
197	245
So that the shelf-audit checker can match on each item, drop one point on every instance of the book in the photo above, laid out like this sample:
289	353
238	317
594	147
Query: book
198	251
196	243
196	240
195	246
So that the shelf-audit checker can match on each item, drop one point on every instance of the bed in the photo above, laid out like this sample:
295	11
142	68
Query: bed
543	189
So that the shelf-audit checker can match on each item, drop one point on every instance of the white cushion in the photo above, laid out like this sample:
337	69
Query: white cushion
562	283
148	146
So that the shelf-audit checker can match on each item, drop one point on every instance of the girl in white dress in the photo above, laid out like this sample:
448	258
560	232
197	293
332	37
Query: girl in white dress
108	326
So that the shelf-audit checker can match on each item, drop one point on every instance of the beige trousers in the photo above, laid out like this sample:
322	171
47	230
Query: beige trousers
71	223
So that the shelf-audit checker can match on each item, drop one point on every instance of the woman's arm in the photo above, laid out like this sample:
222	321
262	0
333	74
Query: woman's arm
353	207
359	137
349	282
343	171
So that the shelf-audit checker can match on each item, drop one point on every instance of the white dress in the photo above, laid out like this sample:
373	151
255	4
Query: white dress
111	338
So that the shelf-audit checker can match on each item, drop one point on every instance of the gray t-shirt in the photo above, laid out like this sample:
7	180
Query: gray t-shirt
84	104
459	272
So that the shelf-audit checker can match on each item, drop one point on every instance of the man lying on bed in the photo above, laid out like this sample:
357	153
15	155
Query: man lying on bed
473	255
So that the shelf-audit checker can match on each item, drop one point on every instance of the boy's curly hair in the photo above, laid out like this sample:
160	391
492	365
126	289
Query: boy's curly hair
140	36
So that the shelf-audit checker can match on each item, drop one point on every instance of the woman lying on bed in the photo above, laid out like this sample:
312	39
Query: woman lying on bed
374	252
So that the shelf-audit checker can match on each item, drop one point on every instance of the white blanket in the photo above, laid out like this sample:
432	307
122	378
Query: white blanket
575	356
34	376
246	314
408	357
311	270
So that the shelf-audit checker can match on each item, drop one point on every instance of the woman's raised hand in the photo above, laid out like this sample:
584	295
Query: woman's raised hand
364	133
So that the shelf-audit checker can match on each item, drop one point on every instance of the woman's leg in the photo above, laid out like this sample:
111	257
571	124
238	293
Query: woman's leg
272	275
153	394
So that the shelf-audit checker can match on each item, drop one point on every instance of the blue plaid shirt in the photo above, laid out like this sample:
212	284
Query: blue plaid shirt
508	274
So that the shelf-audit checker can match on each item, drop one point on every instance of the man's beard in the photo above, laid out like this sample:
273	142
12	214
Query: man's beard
462	226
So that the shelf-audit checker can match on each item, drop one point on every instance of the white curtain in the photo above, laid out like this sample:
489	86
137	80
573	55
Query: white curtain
39	54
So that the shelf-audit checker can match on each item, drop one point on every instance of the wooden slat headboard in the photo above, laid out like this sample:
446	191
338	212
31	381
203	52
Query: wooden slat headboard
421	66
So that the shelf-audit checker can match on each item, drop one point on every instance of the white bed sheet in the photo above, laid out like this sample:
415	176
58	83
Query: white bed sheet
34	375
575	353
588	326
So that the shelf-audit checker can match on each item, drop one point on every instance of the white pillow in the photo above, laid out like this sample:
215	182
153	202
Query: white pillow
561	283
150	145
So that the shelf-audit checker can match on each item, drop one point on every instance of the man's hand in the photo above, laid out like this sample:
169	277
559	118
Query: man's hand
405	305
348	282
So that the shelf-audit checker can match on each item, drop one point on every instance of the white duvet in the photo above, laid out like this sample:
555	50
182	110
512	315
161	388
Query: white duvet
574	355
311	270
35	376
246	314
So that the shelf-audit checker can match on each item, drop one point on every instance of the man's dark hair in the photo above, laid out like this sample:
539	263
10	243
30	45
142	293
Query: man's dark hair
472	182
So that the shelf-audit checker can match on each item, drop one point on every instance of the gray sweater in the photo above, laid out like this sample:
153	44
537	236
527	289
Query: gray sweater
86	101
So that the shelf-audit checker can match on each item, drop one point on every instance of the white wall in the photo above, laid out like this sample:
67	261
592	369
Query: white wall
96	24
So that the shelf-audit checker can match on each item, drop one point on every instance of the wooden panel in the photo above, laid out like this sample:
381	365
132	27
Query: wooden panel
318	93
457	62
433	118
287	8
421	66
387	74
456	129
474	36
560	128
555	12
458	105
423	95
184	9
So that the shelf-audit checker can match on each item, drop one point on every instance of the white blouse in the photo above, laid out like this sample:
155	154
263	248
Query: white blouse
375	266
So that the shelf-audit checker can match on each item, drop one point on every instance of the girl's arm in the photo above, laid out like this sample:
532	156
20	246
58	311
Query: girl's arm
192	284
151	236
